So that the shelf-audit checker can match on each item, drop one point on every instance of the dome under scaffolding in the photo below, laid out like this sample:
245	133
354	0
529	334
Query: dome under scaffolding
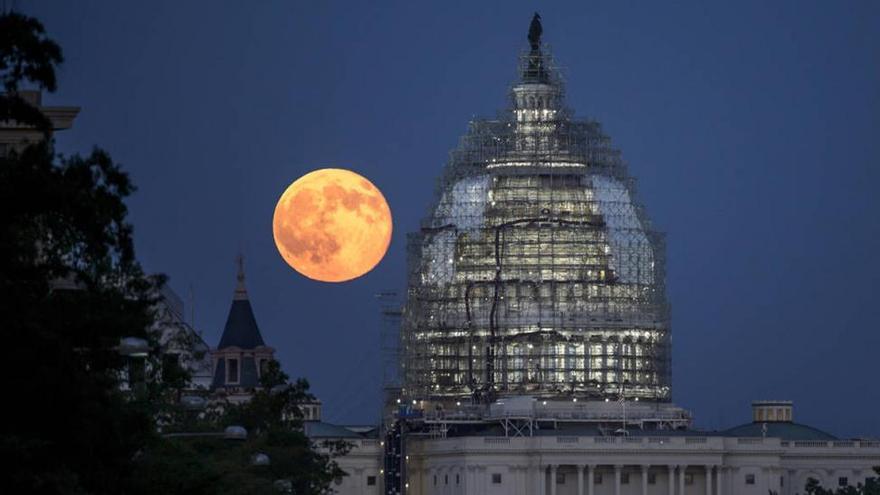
536	272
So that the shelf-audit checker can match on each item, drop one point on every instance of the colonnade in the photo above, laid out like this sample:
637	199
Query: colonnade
676	476
535	479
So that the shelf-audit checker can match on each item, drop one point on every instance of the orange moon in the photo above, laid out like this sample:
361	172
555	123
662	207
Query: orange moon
332	225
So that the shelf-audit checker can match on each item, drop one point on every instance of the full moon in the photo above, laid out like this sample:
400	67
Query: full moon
332	225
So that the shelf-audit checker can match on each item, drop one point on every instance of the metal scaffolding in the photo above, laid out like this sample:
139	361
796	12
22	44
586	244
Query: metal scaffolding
535	272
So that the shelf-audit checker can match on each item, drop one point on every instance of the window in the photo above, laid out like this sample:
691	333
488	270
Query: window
232	371
624	478
457	479
842	481
750	479
496	478
597	478
560	478
688	479
371	481
652	478
445	479
435	480
782	481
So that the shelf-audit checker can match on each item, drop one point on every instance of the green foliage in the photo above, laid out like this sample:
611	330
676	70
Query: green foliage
26	55
872	487
217	465
70	289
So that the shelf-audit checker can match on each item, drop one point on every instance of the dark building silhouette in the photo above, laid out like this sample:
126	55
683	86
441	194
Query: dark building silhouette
241	355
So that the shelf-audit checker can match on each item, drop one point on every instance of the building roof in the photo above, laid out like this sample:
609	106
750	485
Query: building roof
319	429
783	430
241	326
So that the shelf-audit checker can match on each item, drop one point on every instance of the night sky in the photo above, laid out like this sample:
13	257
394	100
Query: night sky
752	128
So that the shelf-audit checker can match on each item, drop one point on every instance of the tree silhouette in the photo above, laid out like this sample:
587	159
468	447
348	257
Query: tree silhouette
70	289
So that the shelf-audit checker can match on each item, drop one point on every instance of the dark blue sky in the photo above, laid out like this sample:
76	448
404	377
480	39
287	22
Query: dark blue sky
751	127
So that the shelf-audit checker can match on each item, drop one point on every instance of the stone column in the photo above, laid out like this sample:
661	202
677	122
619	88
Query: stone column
553	468
681	470
540	479
591	476
718	474
645	479
453	472
440	489
580	470
671	480
617	469
708	480
360	480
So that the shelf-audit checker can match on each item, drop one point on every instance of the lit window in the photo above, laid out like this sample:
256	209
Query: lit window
371	481
750	479
496	478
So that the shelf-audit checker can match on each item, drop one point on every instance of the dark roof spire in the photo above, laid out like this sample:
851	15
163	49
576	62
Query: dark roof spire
241	327
535	31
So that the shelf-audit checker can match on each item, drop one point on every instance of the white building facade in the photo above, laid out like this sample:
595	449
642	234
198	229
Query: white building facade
581	449
636	465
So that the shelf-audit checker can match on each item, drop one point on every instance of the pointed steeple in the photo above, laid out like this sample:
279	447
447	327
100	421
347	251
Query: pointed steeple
241	326
240	290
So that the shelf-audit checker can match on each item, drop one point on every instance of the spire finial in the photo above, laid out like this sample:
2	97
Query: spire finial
240	291
535	31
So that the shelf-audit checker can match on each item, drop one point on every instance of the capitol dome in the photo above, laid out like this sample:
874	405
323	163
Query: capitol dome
536	271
